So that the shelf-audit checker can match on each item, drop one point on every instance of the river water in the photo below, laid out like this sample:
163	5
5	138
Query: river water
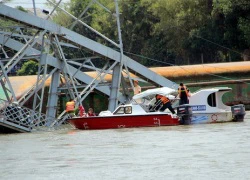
203	152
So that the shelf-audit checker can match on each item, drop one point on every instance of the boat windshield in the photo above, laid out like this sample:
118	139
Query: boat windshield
148	102
150	98
165	91
124	110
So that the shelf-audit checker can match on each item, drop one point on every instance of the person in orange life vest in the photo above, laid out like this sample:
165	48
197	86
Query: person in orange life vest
183	94
166	104
70	107
163	103
158	103
90	112
81	111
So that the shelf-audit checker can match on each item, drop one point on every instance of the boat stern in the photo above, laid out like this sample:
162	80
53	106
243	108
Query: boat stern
238	112
185	113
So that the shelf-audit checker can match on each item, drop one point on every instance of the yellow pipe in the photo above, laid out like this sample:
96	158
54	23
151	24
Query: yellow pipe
22	83
204	69
173	72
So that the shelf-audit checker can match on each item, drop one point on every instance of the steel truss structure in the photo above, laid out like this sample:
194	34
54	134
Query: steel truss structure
46	42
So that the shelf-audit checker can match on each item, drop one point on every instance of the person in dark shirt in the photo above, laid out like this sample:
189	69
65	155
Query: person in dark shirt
183	94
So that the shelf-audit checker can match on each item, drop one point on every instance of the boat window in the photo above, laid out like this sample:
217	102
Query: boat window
128	110
120	111
211	100
124	110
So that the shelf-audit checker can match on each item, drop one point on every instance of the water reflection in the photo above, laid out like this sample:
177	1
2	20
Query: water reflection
205	151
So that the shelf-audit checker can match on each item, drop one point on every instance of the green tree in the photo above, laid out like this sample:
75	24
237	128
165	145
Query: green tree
59	16
236	25
178	21
170	31
28	68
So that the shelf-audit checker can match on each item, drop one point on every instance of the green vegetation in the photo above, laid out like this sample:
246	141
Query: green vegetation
28	68
165	32
171	31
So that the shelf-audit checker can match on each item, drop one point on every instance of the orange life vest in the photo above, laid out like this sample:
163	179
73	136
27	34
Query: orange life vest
158	96
164	100
70	106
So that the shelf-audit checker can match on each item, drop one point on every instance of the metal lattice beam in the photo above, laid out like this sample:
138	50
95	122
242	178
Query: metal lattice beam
80	40
116	61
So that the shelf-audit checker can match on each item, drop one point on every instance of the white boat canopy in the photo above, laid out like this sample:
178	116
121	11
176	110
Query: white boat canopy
164	91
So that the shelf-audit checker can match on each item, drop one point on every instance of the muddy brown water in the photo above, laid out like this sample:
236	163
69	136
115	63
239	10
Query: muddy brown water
205	151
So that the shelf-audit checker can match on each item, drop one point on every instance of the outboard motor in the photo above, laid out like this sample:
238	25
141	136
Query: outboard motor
238	112
185	113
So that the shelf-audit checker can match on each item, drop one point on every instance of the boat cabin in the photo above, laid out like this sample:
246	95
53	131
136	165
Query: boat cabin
209	100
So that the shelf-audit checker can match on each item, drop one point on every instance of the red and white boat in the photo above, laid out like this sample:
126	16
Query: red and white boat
138	113
205	106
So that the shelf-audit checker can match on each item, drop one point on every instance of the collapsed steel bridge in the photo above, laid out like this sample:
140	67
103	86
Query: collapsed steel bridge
45	41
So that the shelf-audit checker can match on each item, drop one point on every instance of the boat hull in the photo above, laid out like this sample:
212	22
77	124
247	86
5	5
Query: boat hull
114	122
217	117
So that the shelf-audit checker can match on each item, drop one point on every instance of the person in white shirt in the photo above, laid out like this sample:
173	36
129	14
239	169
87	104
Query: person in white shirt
137	88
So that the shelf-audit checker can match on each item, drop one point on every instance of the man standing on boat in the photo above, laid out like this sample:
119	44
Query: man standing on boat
137	88
183	94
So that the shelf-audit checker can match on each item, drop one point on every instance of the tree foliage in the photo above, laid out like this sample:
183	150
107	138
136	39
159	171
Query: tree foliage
172	31
163	32
28	68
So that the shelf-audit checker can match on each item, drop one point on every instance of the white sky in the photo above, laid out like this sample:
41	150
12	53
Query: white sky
29	3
